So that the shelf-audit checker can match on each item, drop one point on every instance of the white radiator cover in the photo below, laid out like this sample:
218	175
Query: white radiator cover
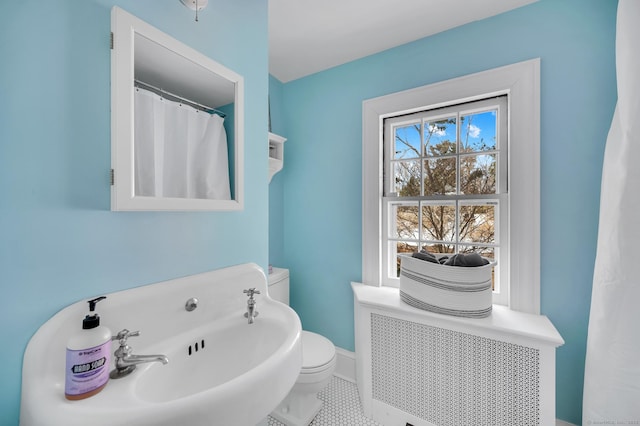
422	368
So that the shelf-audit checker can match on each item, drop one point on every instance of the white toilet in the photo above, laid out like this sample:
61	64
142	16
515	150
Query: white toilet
318	364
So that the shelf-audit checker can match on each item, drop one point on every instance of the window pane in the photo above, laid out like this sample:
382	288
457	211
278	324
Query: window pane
439	248
440	176
440	137
406	178
488	252
439	222
407	141
477	223
478	174
404	221
478	132
402	247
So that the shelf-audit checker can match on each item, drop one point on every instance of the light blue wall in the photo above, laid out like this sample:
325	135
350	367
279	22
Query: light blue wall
59	242
322	174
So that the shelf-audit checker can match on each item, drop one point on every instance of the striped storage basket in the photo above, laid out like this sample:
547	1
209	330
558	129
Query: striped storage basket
451	290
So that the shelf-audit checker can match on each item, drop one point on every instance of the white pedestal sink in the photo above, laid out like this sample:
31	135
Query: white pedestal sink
221	370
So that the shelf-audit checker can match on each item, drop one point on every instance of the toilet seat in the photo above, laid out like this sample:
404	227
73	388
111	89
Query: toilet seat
317	353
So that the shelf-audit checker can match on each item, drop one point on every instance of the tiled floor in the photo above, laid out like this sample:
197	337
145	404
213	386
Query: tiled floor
341	406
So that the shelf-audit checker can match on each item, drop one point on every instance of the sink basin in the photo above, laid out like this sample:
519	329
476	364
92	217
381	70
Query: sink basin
221	370
225	351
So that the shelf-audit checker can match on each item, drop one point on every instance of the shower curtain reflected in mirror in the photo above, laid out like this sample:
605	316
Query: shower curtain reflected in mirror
180	152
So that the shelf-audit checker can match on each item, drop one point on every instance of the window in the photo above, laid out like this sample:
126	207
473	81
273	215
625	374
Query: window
445	184
459	172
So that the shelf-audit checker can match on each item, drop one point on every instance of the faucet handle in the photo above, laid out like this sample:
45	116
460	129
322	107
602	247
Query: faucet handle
123	335
251	291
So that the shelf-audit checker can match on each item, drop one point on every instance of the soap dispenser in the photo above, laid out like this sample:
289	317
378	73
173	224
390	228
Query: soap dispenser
88	357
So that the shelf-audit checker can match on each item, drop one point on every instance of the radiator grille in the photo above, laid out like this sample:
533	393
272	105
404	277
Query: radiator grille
450	378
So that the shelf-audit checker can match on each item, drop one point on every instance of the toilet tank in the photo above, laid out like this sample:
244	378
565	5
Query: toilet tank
279	285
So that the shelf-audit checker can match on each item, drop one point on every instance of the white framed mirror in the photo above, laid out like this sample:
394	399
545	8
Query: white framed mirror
177	124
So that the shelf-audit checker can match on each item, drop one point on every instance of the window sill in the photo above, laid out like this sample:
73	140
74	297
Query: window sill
501	321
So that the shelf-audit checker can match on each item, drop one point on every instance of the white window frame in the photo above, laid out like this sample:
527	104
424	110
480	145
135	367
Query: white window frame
521	82
499	198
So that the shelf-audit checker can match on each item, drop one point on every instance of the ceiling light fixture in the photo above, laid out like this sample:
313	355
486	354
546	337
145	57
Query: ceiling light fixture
195	5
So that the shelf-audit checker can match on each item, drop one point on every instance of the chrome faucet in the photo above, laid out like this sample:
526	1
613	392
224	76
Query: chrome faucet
251	305
125	361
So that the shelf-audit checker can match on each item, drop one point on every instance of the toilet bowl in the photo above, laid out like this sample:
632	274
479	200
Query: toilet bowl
301	405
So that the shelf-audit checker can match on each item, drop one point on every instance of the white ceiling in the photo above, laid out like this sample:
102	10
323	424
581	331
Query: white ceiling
307	36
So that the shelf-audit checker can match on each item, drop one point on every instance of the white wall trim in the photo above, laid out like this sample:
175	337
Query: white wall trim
345	365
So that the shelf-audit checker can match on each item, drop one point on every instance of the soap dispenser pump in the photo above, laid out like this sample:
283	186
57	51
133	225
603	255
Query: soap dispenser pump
88	357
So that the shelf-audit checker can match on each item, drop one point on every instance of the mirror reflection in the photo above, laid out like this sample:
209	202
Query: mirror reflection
177	138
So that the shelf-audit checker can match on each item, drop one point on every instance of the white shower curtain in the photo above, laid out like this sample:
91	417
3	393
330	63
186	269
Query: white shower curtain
612	373
179	151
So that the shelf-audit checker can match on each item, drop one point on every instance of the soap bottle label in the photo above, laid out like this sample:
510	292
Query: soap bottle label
87	370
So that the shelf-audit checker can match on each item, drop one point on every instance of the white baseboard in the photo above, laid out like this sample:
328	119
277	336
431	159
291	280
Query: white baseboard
345	365
563	423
